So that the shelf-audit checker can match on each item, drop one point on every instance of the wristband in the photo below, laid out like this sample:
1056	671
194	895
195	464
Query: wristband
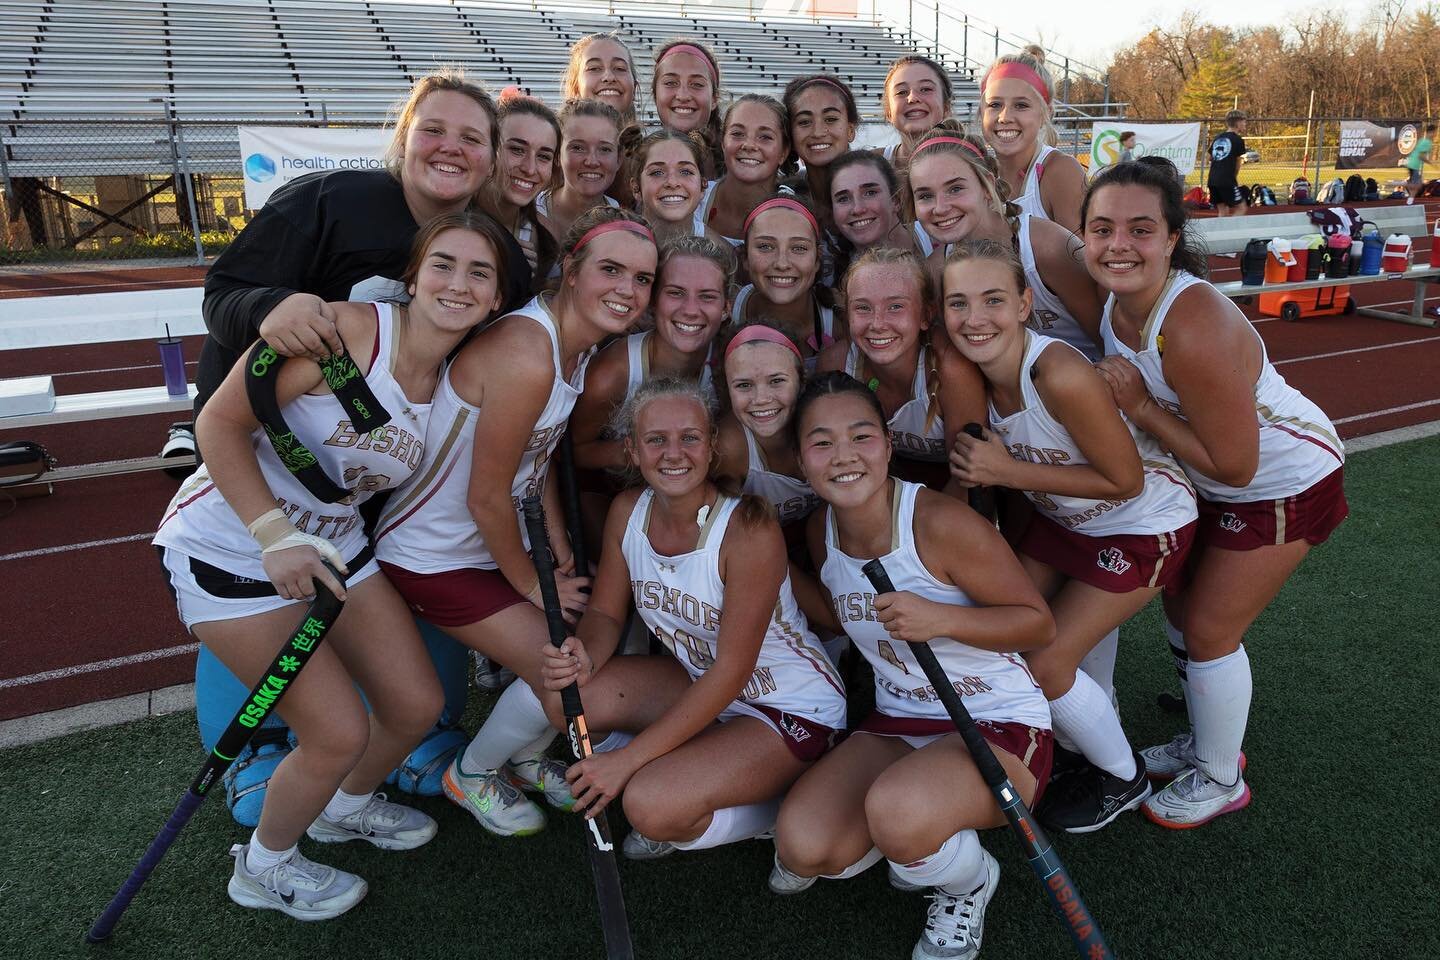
274	532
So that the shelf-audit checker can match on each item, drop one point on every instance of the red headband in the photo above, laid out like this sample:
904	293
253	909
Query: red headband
788	203
956	140
696	51
759	332
610	226
832	81
1017	71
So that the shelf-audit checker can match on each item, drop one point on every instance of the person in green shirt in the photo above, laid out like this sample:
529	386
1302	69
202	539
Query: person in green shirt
1415	162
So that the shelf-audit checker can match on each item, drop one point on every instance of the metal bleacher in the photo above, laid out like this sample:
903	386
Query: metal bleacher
343	61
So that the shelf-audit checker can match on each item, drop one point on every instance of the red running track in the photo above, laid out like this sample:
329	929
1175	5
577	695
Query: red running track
86	588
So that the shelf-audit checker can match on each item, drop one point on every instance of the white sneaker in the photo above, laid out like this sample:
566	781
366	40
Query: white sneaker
298	887
1194	799
389	826
543	775
1167	761
637	846
956	924
493	801
783	882
900	883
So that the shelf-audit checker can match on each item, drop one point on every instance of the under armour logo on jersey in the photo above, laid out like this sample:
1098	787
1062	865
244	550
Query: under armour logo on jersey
1230	522
667	567
1111	560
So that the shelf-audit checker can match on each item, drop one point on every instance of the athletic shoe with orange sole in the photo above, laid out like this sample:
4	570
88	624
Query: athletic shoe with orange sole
1193	799
494	801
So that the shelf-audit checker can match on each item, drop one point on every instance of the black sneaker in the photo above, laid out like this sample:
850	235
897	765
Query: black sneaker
1087	800
1066	762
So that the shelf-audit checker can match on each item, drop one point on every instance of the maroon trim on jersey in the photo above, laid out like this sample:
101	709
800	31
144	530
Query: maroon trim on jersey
375	351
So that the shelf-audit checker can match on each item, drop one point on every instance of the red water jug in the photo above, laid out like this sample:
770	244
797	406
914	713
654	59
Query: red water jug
1396	258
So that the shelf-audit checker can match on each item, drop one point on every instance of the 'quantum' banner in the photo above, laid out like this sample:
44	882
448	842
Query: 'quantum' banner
273	156
1176	142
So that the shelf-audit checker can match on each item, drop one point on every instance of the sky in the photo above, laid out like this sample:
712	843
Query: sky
1101	29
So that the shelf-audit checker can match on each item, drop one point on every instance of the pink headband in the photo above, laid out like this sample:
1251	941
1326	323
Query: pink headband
825	78
610	226
690	48
956	140
1017	71
760	332
788	203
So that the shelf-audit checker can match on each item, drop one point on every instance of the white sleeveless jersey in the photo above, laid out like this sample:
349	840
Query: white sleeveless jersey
1049	315
994	686
681	600
827	324
199	523
542	203
793	499
1029	200
1298	444
924	243
1032	434
427	526
707	206
909	436
639	366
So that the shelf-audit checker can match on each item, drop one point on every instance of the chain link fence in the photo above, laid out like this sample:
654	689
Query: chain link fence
107	190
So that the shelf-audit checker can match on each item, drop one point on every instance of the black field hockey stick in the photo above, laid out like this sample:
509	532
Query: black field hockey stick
570	503
981	499
598	846
317	620
1054	878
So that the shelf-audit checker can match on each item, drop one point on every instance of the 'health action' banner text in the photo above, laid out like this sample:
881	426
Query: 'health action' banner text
273	156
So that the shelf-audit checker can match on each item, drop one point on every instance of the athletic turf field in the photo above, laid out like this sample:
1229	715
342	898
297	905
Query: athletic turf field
1334	857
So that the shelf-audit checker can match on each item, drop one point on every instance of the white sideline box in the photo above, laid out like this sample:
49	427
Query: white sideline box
26	395
31	322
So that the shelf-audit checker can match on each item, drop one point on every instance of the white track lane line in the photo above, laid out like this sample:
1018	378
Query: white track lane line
1381	413
99	665
1342	353
66	548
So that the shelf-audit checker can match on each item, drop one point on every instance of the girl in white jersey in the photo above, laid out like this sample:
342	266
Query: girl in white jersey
1114	514
452	541
926	388
763	375
243	540
706	571
589	161
529	135
782	256
668	180
692	294
903	786
1016	96
918	98
1186	366
756	145
958	196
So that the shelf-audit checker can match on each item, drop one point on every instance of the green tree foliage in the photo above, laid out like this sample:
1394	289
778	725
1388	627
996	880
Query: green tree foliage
1216	84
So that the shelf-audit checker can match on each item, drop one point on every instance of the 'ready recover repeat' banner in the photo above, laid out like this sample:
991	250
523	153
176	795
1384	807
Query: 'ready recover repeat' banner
1176	142
273	156
1374	146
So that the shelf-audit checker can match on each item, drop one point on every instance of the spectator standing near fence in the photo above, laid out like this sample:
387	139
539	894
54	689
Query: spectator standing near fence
1223	180
1415	163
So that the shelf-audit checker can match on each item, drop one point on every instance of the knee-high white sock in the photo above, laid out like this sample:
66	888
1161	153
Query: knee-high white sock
729	824
1087	717
958	867
1100	663
612	742
1182	665
517	719
1220	691
534	751
858	867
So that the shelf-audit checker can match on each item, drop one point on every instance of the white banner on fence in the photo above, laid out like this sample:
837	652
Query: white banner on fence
1176	142
273	156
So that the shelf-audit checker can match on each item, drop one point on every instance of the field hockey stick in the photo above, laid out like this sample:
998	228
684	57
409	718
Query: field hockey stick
981	499
599	848
570	503
317	620
1054	878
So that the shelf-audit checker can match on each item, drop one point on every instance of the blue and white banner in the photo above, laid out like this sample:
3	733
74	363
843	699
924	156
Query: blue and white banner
1176	142
273	156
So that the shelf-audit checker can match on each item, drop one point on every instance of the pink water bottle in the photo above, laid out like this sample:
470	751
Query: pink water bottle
1396	258
1435	246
